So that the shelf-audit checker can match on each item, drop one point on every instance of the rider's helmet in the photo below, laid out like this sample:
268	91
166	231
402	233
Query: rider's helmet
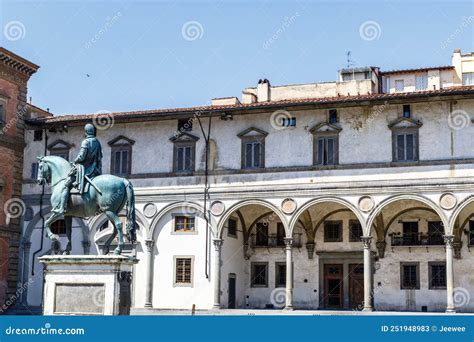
89	130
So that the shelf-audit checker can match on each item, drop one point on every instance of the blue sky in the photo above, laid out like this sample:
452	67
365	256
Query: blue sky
124	55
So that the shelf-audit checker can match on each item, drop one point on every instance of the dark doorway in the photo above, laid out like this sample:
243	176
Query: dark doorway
333	286
356	286
232	290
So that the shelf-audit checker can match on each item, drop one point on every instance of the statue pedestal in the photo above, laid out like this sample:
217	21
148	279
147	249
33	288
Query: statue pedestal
87	284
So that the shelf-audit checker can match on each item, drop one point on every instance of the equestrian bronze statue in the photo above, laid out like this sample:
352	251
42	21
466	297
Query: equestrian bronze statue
80	190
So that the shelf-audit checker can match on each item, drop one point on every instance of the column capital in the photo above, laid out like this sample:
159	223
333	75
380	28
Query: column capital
288	242
149	245
366	240
218	244
448	240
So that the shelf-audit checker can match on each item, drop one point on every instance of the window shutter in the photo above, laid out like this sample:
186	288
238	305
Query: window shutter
320	151
180	157
400	147
117	162
330	156
248	155
410	152
188	158
257	150
124	162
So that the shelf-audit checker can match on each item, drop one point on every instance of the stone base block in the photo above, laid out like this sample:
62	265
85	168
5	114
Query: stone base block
87	284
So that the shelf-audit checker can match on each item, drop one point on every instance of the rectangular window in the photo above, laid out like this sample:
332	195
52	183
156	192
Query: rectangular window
232	228
410	276
399	85
185	125
471	232
261	238
280	274
38	135
184	158
406	147
121	162
34	170
59	227
288	122
437	274
184	224
253	155
407	111
326	151
333	116
355	231
435	233
280	240
421	82
259	277
2	113
333	231
468	78
410	233
183	271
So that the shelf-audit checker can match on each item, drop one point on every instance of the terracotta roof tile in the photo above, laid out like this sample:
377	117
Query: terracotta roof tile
248	106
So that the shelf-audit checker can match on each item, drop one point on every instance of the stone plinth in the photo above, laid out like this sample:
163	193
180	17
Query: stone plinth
87	284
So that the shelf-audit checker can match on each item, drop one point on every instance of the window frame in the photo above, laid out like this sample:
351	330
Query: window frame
252	274
235	236
121	144
340	231
468	75
277	273
395	85
416	144
402	276
63	149
184	144
184	232
34	170
258	227
3	111
175	271
423	76
254	140
430	275
351	235
325	137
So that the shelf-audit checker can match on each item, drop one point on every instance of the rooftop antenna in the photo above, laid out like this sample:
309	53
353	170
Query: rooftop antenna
350	62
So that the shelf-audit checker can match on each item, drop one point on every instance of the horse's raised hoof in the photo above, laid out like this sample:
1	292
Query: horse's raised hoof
53	237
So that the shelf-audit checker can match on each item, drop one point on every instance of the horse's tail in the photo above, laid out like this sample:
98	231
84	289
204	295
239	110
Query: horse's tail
131	223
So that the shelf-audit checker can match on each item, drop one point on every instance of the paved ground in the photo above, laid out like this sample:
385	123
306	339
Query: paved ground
242	312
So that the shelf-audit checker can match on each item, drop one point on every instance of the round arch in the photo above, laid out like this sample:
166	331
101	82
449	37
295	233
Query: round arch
461	206
243	203
320	200
401	197
99	220
175	205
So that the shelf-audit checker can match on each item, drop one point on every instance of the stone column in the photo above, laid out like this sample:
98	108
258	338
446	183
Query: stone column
289	273
217	272
149	274
367	240
449	240
86	245
25	282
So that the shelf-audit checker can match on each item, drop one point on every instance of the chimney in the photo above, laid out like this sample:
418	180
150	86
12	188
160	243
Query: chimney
263	90
456	63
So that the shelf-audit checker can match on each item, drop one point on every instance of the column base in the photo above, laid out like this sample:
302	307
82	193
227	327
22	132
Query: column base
451	311
288	308
368	309
148	306
216	307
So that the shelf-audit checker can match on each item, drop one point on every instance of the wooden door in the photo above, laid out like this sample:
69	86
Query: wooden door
356	286
232	290
333	286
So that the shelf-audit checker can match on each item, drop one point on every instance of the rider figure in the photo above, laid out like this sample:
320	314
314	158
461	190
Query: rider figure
90	156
